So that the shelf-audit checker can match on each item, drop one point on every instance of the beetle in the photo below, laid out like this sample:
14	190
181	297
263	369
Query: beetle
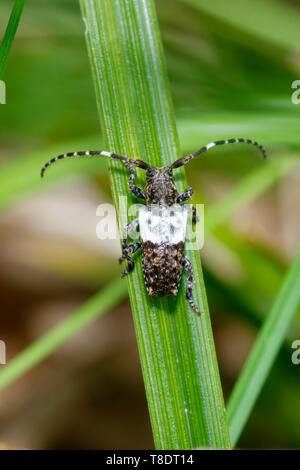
162	221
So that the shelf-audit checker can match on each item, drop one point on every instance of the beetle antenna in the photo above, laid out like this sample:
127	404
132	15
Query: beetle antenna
138	163
184	160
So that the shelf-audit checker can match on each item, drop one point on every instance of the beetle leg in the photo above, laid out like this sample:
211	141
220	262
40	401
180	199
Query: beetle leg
131	227
188	292
195	215
138	192
129	250
186	195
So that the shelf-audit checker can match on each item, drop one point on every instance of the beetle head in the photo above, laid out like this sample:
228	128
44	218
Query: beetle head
160	188
162	173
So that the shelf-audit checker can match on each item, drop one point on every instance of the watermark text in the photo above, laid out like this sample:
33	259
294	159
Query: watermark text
296	94
296	354
2	352
159	224
2	92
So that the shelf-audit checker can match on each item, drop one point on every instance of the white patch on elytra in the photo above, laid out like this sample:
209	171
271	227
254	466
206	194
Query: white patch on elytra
160	224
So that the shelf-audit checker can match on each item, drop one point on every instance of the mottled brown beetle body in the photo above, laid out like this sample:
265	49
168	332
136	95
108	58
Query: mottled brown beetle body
162	235
162	267
162	261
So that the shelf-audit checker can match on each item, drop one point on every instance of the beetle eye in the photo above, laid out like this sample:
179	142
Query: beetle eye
151	172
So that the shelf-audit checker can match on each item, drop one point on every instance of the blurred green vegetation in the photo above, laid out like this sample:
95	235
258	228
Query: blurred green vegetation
230	77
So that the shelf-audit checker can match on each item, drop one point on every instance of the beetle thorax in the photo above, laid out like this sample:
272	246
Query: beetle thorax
160	188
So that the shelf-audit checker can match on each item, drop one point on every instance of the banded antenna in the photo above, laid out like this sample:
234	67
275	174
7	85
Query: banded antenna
182	161
127	161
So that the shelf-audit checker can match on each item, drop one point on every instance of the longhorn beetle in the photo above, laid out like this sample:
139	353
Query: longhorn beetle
162	222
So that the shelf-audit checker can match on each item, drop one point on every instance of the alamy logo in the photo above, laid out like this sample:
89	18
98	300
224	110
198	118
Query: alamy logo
296	353
296	94
2	352
2	92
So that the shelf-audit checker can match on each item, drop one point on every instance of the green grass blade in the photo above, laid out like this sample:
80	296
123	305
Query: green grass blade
94	308
263	354
264	19
176	347
10	33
